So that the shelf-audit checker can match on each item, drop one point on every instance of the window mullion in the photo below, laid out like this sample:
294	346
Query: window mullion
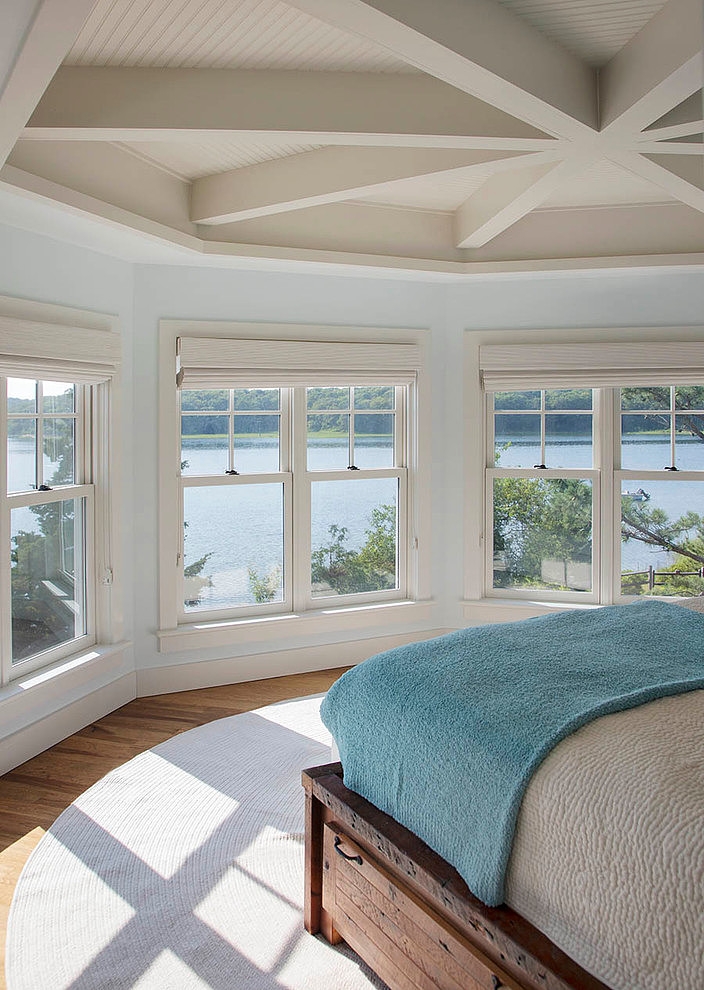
300	535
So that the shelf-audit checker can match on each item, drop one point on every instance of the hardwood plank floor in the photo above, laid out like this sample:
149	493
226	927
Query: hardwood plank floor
34	794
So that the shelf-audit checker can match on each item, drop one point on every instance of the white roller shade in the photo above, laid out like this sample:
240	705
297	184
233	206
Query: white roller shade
57	353
506	367
218	362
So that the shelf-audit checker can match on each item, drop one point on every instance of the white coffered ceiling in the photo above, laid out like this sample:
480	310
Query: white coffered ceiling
455	136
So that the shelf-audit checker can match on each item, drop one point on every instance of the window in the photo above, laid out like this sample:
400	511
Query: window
594	494
295	461
291	494
55	516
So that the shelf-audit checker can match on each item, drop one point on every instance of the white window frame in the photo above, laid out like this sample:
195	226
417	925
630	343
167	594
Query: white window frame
43	342
300	613
662	356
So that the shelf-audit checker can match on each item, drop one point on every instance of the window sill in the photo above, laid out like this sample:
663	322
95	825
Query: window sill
512	609
63	680
326	622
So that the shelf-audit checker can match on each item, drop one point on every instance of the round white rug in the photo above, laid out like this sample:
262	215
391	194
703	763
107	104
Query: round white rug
183	870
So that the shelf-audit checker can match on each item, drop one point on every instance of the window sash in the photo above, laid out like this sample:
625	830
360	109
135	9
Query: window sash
297	507
608	481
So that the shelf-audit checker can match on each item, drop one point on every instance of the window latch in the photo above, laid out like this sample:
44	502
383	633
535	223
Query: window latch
670	468
352	467
232	472
44	488
540	467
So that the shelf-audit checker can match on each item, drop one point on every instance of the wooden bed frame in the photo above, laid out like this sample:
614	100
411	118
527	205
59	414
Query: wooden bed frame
407	912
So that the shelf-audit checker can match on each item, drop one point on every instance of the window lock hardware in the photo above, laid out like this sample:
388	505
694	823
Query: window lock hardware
232	472
670	468
352	467
541	467
44	488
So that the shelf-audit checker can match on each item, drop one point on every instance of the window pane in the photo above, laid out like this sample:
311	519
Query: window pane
374	397
21	454
689	442
516	440
568	441
47	578
256	398
653	397
209	400
353	536
328	442
373	440
205	444
689	397
517	400
21	395
256	443
652	514
59	450
233	545
328	398
58	397
568	398
645	442
542	533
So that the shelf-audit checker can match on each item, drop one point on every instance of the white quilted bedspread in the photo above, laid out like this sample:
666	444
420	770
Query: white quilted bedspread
608	857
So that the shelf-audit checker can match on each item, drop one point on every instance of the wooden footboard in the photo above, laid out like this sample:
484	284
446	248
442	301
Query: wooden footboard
406	911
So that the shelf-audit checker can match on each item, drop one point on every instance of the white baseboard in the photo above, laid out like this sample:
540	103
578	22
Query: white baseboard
211	673
50	729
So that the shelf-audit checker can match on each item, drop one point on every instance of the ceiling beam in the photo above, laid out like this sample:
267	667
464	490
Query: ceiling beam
656	71
680	177
479	47
53	29
154	104
504	199
326	175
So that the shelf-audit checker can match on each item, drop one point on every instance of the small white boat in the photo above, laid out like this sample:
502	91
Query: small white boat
639	495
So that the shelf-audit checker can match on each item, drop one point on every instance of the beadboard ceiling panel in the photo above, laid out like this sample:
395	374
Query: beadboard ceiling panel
247	34
191	161
593	29
605	184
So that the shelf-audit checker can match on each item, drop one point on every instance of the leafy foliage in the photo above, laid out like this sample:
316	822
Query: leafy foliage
372	568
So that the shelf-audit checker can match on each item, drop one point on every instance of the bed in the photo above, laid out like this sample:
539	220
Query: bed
604	884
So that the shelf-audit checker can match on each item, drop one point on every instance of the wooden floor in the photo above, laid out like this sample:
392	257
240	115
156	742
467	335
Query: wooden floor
34	794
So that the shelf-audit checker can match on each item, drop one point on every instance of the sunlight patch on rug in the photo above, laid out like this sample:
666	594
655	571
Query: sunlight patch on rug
183	870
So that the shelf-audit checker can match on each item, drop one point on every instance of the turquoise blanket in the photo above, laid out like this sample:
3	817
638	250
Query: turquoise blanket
445	734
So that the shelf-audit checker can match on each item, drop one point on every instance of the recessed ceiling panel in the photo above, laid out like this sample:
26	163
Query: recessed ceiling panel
193	160
249	34
605	184
595	31
434	192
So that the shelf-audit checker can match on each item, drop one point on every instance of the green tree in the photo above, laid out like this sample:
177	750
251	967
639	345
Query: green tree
371	568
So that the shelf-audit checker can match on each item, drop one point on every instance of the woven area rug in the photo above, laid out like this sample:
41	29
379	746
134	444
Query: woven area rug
183	869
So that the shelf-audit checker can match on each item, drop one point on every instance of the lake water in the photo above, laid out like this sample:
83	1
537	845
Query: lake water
240	526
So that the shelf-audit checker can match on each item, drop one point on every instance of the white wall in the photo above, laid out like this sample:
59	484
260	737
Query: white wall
42	269
163	293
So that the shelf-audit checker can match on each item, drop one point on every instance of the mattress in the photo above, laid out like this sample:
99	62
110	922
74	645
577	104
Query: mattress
608	853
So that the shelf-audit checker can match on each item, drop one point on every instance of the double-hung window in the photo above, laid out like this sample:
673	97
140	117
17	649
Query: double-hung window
294	474
594	492
54	505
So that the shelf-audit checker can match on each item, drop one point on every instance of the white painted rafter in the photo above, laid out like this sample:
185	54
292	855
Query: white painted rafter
53	29
683	187
481	48
504	199
657	70
147	104
326	175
